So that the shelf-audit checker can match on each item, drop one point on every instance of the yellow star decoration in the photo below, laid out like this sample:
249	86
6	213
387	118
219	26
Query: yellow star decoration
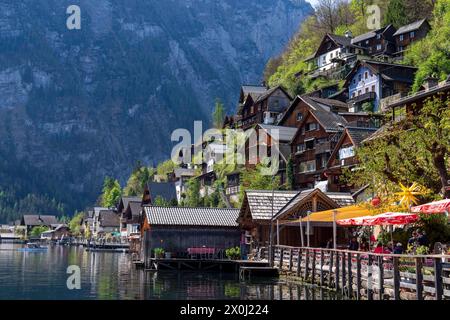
408	194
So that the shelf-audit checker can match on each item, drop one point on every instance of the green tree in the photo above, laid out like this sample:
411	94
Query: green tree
137	181
38	230
396	13
252	179
75	223
166	167
111	192
218	115
432	54
193	193
416	149
290	174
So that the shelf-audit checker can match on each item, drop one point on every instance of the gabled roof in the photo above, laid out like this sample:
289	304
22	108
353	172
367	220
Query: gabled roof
109	218
301	198
259	203
183	172
285	134
356	135
184	216
370	34
270	91
411	27
329	120
39	220
331	102
165	190
254	91
124	201
388	71
338	41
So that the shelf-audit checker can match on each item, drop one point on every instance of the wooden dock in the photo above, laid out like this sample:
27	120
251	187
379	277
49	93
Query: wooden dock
364	275
224	265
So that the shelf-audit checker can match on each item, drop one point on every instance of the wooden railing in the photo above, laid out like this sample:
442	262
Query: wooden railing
364	275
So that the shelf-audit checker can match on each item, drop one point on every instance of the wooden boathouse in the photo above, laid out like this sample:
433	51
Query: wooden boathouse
188	235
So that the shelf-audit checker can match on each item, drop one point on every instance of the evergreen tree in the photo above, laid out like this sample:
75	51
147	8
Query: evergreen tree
396	13
218	115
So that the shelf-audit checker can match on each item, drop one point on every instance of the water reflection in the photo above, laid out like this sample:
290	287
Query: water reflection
105	275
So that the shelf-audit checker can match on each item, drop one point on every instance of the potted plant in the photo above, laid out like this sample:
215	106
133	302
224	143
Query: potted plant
233	253
159	253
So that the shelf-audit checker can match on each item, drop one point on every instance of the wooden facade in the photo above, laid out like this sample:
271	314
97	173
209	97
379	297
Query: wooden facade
378	42
407	35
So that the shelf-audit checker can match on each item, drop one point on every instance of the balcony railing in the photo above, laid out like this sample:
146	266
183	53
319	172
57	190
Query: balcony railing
323	147
345	162
369	96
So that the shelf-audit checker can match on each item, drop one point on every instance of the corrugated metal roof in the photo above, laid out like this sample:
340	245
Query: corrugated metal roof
410	27
260	202
284	133
184	216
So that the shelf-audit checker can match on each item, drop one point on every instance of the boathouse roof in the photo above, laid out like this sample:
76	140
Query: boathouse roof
259	203
39	220
185	216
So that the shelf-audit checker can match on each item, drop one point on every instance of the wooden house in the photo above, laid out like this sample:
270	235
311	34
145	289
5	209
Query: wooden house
129	211
377	43
31	221
335	51
300	206
344	156
410	33
315	138
181	177
411	104
262	208
60	232
371	81
108	223
159	191
264	107
176	229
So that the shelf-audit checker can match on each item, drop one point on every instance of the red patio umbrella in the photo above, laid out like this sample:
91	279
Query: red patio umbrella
433	207
385	219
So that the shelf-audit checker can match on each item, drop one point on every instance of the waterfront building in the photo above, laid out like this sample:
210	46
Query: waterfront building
60	232
31	221
176	229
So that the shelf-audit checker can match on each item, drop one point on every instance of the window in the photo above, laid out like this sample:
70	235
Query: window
366	75
299	116
367	41
379	47
367	90
311	126
359	77
354	81
309	145
331	55
309	166
345	153
252	109
379	36
359	92
402	37
353	94
412	34
373	88
301	147
400	48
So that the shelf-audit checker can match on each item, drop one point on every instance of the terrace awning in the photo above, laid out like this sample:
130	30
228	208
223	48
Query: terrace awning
433	207
385	219
328	216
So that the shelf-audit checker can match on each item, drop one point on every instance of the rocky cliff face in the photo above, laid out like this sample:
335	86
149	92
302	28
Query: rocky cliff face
76	105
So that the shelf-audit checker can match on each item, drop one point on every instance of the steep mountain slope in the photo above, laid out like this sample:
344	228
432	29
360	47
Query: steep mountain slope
76	105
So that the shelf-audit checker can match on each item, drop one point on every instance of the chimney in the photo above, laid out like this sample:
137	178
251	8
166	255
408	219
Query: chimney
348	34
429	83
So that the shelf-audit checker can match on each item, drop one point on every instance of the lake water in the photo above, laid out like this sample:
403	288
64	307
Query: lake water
105	276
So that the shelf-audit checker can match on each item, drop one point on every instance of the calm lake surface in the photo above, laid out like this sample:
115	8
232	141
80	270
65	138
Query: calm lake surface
105	276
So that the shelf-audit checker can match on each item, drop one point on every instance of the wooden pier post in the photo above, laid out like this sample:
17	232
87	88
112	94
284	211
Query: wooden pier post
369	278
358	276
321	267
380	278
350	275
314	267
438	278
290	260
330	272
396	279
281	258
336	273
299	262
419	279
306	265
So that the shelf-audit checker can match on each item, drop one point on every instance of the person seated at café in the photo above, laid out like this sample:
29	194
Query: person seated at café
364	245
380	249
422	239
354	245
412	241
398	248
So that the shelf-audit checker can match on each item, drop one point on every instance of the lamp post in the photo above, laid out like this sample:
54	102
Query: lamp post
308	229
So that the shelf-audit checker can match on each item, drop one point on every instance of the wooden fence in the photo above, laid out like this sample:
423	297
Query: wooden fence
364	275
